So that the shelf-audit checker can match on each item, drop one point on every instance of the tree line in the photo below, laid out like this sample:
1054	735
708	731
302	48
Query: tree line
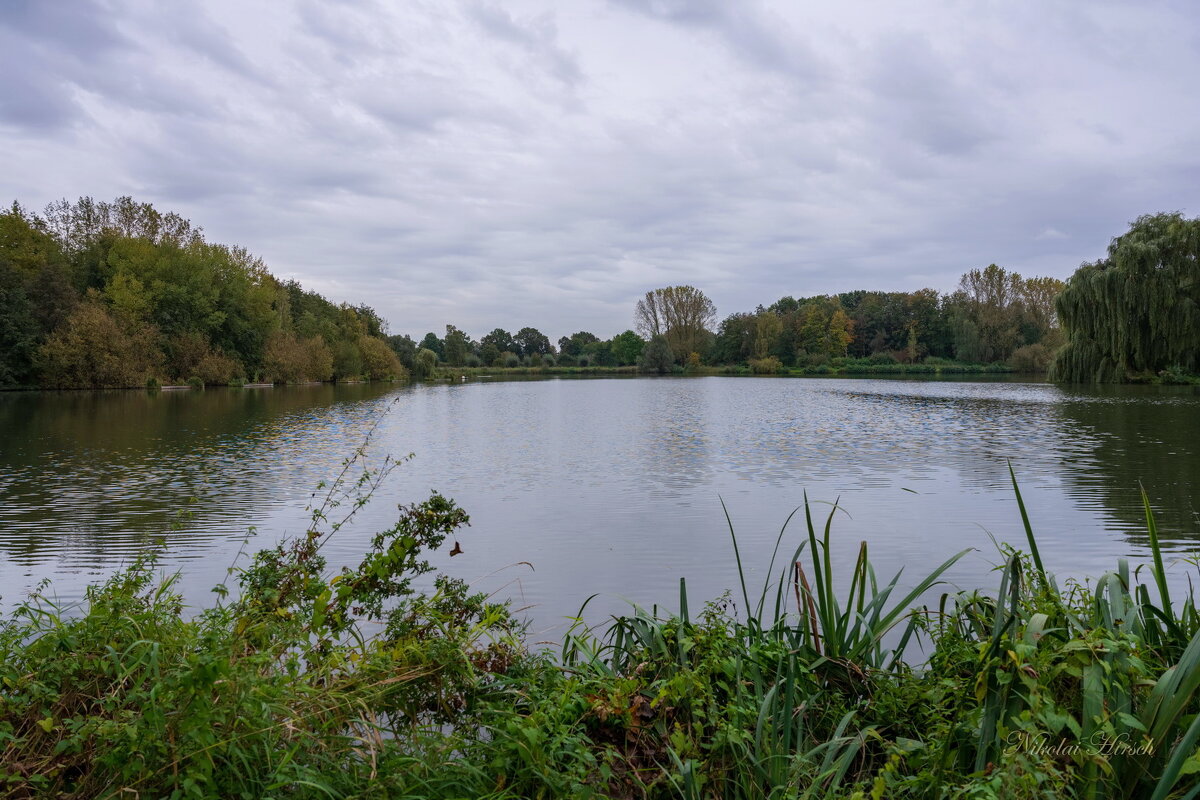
994	316
98	295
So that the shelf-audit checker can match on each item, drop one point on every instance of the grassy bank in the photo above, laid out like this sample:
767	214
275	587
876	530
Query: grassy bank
300	681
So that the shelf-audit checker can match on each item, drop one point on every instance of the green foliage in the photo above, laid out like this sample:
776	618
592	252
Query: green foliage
456	346
627	347
380	361
178	305
531	341
425	365
433	343
656	356
94	350
1138	310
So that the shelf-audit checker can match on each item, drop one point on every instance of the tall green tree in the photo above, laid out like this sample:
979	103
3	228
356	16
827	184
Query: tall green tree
457	346
433	343
627	347
500	339
1136	311
531	341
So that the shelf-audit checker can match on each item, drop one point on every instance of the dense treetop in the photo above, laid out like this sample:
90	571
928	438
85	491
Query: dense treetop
1135	313
97	294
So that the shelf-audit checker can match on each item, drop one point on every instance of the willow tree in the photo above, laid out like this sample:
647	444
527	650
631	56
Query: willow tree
1138	310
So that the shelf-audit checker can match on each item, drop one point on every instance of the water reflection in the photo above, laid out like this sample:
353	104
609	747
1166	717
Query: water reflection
605	485
1138	436
101	473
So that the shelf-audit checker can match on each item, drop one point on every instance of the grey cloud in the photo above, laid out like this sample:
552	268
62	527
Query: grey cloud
537	36
923	99
752	33
455	163
45	49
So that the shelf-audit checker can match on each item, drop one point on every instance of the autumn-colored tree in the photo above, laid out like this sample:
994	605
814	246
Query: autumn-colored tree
92	350
379	362
318	359
285	359
682	314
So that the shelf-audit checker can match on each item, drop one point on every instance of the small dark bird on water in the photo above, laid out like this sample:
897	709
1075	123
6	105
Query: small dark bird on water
457	549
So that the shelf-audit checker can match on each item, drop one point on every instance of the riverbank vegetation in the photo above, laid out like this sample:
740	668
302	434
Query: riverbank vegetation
302	681
99	295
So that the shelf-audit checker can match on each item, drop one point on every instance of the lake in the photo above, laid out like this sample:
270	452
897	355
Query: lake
609	486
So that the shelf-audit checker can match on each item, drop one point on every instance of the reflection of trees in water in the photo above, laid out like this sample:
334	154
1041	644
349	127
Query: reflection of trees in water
1146	434
103	473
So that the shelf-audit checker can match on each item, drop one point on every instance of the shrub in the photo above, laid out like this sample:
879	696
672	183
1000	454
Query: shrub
1031	358
766	366
217	369
656	356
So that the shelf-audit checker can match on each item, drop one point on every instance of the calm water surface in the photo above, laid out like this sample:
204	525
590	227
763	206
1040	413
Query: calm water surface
602	486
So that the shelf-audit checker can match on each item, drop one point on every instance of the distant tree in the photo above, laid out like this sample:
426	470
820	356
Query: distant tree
489	355
499	338
627	347
531	341
987	304
599	353
735	338
457	345
657	356
841	333
380	363
1136	311
92	350
404	348
682	314
433	343
768	327
18	331
425	364
285	360
347	361
575	344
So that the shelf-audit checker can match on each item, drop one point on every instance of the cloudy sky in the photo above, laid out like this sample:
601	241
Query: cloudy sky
519	163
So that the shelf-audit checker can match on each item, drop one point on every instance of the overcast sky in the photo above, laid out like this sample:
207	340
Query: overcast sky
545	163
